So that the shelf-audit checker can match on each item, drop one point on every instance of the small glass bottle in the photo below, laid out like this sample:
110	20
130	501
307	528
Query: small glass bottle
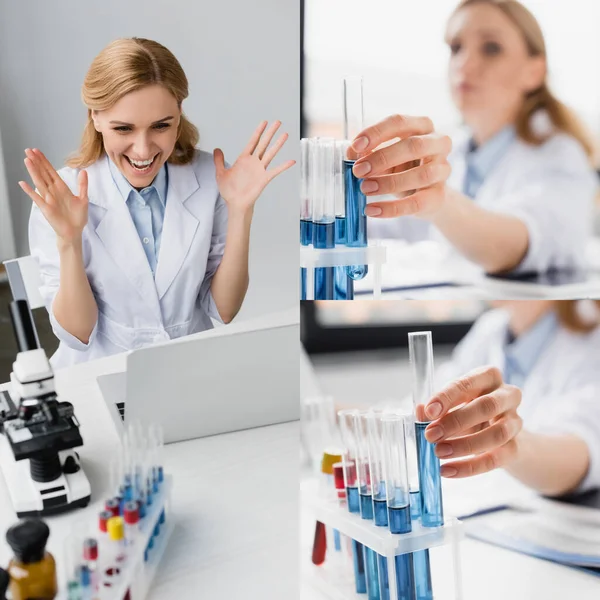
32	570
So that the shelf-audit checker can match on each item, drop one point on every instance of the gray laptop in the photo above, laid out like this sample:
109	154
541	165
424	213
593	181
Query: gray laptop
226	379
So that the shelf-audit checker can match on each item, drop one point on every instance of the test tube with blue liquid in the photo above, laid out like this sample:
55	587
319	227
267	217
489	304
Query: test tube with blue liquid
395	474
356	201
306	233
323	211
344	286
366	501
430	482
348	432
378	490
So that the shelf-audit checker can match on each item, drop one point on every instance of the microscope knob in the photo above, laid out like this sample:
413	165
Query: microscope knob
70	465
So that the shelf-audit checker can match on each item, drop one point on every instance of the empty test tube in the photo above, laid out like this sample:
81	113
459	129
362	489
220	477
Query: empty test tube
398	500
430	482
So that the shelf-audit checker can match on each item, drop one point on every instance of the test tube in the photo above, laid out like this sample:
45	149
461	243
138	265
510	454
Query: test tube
378	490
348	431
398	501
306	233
344	286
430	481
356	201
323	211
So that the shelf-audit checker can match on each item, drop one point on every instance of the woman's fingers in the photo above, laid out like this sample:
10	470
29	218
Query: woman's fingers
274	149
34	172
48	171
482	409
219	159
421	202
396	126
488	461
400	153
251	146
423	176
280	169
494	436
82	182
39	201
472	385
266	138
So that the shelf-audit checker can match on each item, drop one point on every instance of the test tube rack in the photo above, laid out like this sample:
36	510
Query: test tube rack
137	574
379	539
312	258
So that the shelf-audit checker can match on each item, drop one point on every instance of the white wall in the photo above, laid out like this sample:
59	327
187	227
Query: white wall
7	240
241	59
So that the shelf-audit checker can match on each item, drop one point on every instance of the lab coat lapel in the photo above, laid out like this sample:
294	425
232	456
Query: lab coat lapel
118	234
179	227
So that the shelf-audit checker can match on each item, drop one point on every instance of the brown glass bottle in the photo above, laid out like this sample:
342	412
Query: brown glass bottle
32	570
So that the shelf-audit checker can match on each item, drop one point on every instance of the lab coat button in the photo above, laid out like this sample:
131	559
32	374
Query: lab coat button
146	240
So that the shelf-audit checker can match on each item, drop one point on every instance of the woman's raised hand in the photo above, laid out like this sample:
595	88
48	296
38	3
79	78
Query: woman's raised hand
241	184
414	168
66	213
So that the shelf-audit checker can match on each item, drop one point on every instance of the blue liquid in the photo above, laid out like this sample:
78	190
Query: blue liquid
372	574
353	501
360	579
423	575
430	480
340	230
343	285
306	235
399	519
356	221
384	582
381	513
415	505
366	506
324	237
337	541
405	582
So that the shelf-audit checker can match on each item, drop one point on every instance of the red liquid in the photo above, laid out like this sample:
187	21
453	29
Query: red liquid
319	545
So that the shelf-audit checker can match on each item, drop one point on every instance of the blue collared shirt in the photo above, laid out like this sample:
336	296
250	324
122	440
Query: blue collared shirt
147	209
522	354
481	160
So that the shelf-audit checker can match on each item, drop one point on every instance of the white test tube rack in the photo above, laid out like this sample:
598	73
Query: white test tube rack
136	575
379	539
312	258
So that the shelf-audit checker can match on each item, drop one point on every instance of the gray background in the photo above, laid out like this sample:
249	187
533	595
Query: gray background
242	62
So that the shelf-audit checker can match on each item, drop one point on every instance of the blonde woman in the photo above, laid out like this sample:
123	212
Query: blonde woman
521	192
522	392
142	237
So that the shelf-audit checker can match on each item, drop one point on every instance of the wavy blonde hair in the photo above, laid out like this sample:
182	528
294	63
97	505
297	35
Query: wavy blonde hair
560	115
124	66
570	315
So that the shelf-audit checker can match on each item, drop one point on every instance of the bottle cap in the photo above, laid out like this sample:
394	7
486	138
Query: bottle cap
115	528
112	506
27	540
329	459
103	518
131	513
90	549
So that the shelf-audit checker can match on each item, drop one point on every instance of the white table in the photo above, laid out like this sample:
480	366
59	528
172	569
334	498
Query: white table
235	501
489	572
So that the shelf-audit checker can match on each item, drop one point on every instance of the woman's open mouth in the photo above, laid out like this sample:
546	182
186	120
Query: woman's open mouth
142	167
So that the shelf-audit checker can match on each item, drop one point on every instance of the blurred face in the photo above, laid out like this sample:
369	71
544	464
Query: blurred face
140	132
490	69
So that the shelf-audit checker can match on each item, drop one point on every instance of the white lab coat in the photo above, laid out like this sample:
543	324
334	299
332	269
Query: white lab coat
551	188
134	308
561	394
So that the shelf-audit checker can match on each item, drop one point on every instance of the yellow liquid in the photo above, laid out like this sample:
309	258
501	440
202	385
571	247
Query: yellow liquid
34	581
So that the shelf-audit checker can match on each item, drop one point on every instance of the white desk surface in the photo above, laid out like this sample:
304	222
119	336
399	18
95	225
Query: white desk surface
428	263
235	501
489	572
